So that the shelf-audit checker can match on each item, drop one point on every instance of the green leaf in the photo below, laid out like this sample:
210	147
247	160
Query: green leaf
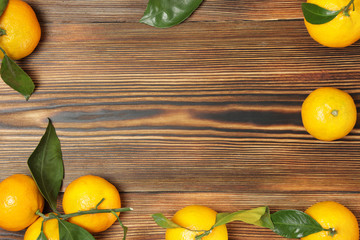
315	14
42	236
3	5
46	166
294	224
163	222
69	231
258	216
15	77
168	13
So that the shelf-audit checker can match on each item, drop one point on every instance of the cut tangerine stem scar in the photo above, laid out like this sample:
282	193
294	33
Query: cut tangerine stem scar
331	231
335	112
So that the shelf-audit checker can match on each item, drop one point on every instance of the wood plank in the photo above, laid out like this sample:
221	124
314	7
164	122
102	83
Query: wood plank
141	225
207	112
131	11
222	109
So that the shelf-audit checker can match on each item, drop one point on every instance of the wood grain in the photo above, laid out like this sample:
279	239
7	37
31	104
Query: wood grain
207	112
141	225
131	11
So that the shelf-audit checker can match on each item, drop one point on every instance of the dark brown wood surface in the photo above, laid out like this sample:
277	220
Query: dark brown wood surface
206	112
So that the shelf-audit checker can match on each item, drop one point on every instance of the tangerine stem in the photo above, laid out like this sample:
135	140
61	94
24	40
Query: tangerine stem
97	205
40	214
346	9
93	211
79	213
125	229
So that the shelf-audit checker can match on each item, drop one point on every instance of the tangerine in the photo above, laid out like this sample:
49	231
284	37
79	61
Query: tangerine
339	222
198	219
20	198
22	30
85	193
328	113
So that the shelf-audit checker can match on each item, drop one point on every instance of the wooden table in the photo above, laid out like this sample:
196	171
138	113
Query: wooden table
207	112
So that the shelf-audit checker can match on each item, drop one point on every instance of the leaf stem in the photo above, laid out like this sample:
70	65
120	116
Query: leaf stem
199	237
3	51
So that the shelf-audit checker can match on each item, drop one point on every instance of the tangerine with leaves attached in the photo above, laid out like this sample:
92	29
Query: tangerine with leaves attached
339	222
341	31
195	219
50	228
22	30
85	193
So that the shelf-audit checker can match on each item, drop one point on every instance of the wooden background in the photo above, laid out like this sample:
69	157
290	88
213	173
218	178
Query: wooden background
207	112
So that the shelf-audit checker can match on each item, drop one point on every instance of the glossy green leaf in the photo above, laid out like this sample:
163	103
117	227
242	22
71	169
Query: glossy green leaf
163	222
46	166
15	77
315	14
69	231
42	236
3	5
294	224
258	216
168	13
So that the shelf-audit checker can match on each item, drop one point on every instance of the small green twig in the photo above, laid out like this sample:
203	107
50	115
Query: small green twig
93	211
79	213
41	214
97	205
347	7
125	229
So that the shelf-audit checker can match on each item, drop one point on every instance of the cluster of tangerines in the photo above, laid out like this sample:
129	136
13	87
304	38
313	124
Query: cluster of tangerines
327	114
21	206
